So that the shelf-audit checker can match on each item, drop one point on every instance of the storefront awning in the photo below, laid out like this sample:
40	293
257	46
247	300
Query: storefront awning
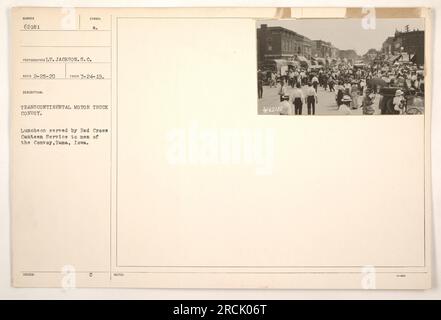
303	60
321	61
394	58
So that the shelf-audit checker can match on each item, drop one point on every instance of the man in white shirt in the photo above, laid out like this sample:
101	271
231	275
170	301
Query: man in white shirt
285	106
315	82
362	85
302	76
311	98
273	80
297	99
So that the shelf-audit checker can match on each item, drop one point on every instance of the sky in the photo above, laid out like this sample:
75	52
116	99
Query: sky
347	33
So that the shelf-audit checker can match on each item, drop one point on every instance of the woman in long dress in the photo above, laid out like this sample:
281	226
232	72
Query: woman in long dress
354	95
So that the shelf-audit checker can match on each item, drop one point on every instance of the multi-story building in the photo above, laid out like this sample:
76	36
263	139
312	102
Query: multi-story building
410	42
322	49
281	43
306	45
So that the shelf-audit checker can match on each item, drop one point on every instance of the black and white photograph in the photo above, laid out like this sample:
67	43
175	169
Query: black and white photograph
340	67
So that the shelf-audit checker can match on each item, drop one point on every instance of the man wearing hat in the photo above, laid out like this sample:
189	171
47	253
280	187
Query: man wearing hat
368	101
285	106
343	108
331	83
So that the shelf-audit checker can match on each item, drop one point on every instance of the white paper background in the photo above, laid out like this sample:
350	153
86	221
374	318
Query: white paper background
7	292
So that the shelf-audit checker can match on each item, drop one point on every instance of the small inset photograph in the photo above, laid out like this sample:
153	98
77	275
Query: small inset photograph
340	67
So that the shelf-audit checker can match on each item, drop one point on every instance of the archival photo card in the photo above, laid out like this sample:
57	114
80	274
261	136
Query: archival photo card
139	160
340	67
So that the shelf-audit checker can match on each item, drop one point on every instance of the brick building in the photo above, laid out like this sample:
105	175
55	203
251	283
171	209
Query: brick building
281	43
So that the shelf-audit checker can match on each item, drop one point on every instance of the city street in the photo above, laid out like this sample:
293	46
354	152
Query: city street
326	102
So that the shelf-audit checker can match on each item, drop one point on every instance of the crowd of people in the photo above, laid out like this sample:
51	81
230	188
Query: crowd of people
355	86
